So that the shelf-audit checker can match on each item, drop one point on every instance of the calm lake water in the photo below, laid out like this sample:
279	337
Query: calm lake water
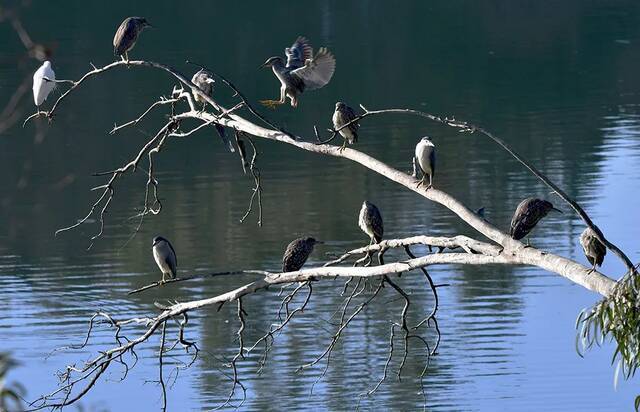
560	83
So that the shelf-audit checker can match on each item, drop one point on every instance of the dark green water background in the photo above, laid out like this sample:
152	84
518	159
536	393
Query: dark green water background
557	80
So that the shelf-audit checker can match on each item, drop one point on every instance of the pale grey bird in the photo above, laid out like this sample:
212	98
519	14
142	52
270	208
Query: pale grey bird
302	71
165	257
204	80
594	250
425	156
527	215
127	35
297	253
370	221
341	116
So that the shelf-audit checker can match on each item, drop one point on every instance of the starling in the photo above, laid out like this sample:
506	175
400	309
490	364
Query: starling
594	250
127	35
343	115
302	71
297	253
527	215
370	221
426	159
165	257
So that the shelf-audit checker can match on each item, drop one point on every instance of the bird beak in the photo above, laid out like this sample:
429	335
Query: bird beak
557	210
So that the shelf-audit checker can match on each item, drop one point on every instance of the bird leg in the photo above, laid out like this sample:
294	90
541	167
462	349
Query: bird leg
344	145
430	182
271	104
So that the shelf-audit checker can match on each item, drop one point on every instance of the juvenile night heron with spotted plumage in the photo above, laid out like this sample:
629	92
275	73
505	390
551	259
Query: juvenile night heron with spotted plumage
302	71
127	35
297	253
527	215
370	221
425	157
342	116
165	257
593	248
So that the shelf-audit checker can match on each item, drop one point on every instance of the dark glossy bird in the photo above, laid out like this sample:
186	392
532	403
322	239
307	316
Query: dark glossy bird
527	215
370	221
594	250
297	253
342	116
165	257
302	71
127	35
425	156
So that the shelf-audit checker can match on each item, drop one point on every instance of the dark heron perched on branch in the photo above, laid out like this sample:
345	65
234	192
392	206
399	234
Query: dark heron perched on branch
594	250
370	221
343	115
302	71
426	159
165	257
297	253
527	215
203	79
127	35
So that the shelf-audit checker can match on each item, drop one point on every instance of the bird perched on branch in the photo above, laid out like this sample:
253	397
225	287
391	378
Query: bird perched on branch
127	35
204	80
594	249
370	221
527	215
43	83
165	257
342	116
425	156
302	71
297	253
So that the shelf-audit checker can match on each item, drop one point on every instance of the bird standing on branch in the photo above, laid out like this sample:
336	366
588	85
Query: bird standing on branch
302	71
527	215
165	257
594	250
370	221
203	80
342	116
425	156
127	35
43	83
297	253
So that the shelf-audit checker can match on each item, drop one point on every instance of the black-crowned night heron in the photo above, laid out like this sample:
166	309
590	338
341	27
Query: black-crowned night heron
302	71
425	157
165	257
527	215
41	84
127	35
297	253
594	250
341	116
204	80
370	221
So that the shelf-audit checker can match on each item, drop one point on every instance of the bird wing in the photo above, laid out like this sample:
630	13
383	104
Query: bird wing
172	259
376	224
298	53
123	36
526	217
317	72
432	159
344	116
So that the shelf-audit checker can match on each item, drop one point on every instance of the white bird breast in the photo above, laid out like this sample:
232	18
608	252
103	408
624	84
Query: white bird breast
423	155
42	87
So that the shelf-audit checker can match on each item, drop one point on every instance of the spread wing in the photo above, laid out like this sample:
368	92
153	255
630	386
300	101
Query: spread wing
317	72
298	53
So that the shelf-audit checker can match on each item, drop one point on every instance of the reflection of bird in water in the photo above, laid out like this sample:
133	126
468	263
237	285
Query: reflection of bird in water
204	80
527	215
426	158
594	250
370	221
165	257
302	71
297	253
343	115
41	84
127	35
